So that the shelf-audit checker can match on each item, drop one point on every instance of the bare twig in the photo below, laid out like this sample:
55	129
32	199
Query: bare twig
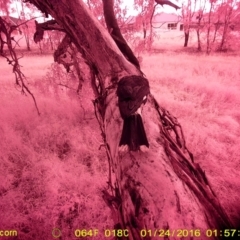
98	103
23	23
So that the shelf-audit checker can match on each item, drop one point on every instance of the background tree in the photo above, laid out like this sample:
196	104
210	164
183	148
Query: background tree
6	30
145	9
4	10
4	7
219	24
210	26
200	21
188	11
226	14
25	28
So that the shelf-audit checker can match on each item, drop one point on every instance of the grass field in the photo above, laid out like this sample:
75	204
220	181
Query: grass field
203	93
52	171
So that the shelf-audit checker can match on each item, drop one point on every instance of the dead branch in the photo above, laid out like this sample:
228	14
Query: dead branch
41	27
13	59
66	54
167	2
25	22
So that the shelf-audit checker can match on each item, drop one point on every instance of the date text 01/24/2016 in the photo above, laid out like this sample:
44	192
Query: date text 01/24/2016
161	233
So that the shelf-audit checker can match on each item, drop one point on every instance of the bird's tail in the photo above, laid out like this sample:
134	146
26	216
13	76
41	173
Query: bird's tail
133	133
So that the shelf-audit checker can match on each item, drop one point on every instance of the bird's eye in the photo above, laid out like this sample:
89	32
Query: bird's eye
144	99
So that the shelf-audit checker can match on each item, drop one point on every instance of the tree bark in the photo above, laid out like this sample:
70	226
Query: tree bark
162	188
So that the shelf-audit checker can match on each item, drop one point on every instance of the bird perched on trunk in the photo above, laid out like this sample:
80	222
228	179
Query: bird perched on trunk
132	94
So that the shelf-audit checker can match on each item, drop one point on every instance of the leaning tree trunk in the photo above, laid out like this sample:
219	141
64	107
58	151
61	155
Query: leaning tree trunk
162	188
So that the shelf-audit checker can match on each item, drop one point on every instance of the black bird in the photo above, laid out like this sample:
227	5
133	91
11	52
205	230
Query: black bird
132	93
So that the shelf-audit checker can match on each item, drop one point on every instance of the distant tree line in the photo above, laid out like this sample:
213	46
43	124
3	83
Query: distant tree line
215	22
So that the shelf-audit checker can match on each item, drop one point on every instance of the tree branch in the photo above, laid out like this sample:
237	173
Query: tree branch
14	60
41	27
167	2
115	32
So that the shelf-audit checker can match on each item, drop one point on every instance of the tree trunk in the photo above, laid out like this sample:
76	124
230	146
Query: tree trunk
199	48
225	31
1	44
209	28
50	41
26	35
217	27
159	189
144	31
186	38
